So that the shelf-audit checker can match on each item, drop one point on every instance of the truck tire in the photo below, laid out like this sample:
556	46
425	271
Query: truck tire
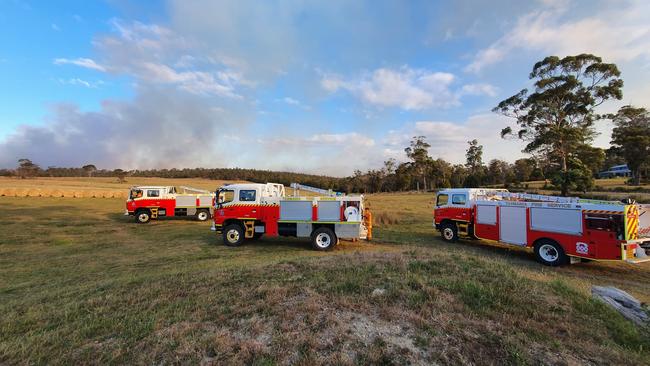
202	215
323	238
449	232
550	253
142	216
233	235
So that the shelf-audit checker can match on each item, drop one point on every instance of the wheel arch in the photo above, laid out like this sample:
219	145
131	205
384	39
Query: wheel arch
447	221
140	209
315	226
233	221
546	238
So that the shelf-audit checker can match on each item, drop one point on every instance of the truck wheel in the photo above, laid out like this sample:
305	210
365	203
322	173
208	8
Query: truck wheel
550	253
202	215
142	216
323	239
449	232
233	235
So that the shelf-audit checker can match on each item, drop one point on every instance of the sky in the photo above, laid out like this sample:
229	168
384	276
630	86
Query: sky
316	87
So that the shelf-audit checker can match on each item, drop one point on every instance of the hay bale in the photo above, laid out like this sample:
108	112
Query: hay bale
10	192
33	193
55	193
98	194
21	192
68	194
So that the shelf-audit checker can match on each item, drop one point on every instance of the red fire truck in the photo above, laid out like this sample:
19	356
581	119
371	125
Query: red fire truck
152	202
558	229
249	211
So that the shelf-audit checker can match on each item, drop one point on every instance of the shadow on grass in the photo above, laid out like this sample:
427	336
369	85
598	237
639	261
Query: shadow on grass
287	243
121	217
478	247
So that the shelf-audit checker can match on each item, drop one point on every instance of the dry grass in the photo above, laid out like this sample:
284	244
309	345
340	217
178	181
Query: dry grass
82	284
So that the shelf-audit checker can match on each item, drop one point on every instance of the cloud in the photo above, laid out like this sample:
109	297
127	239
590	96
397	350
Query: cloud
146	51
55	27
161	128
406	88
82	62
291	101
616	33
479	89
81	82
320	140
341	153
336	154
196	82
449	139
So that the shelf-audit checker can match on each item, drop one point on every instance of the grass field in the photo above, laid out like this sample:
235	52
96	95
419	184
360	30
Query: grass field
81	283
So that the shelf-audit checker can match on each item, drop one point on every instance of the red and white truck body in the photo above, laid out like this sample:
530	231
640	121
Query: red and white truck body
152	202
558	229
250	211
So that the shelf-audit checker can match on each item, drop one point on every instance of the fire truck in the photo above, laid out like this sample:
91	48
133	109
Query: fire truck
152	202
250	211
559	230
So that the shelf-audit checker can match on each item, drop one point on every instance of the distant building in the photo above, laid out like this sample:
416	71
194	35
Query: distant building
616	171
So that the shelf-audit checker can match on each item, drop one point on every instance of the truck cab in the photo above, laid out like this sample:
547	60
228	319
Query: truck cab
152	202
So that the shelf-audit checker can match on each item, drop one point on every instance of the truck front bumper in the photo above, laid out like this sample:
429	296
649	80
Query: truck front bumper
128	213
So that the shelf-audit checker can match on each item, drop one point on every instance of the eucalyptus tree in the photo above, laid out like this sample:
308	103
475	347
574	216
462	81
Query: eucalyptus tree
557	116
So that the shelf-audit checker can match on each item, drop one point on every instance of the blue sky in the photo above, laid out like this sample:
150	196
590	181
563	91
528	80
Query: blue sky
294	85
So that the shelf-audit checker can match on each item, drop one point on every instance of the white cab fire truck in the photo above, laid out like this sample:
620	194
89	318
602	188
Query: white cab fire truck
249	211
152	202
558	229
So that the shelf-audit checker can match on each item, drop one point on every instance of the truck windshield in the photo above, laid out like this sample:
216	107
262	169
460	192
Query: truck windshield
135	193
225	196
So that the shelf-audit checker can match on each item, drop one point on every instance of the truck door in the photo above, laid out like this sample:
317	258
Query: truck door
250	199
459	208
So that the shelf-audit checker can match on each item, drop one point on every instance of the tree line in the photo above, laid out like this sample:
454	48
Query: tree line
556	119
28	169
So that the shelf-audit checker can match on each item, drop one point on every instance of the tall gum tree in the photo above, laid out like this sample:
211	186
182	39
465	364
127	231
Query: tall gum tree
558	115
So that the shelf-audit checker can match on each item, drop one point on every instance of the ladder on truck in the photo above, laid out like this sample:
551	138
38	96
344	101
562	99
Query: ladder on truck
324	192
513	196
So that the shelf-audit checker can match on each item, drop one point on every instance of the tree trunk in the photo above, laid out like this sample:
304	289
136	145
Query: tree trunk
565	176
637	176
